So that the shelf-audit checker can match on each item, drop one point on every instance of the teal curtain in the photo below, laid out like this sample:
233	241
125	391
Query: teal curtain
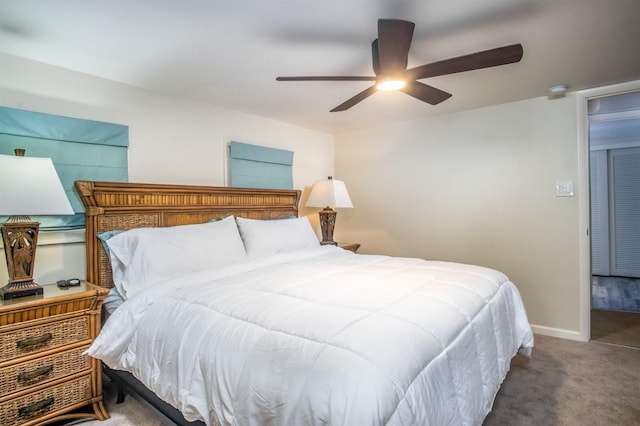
254	166
79	149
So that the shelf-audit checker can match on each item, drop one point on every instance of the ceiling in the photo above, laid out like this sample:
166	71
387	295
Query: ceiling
229	52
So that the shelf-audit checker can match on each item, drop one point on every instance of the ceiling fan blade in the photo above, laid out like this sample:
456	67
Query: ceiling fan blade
375	57
394	40
485	59
356	99
326	78
425	93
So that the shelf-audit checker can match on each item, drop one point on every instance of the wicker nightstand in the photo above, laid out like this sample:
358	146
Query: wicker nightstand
350	246
43	374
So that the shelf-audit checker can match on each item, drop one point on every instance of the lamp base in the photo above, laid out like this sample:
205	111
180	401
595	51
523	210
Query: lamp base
327	223
14	290
20	239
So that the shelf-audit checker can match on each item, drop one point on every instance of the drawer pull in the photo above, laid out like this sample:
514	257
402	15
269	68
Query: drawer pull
36	406
32	341
30	375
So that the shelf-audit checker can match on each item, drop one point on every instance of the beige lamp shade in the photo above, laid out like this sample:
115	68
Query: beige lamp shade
329	193
31	186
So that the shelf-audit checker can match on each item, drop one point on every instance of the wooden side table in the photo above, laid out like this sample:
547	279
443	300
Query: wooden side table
44	375
350	246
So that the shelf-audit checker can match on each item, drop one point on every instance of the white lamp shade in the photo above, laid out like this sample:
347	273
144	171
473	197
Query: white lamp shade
329	193
31	186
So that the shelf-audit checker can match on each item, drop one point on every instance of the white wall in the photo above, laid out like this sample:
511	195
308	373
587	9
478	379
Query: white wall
171	140
475	187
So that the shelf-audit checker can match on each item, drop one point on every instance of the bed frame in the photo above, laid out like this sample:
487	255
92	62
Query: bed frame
122	206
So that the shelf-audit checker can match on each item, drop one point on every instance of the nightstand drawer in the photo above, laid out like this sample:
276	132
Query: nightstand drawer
30	340
19	377
37	404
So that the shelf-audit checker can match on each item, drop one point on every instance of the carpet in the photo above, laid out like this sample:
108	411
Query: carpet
129	413
568	383
616	293
616	327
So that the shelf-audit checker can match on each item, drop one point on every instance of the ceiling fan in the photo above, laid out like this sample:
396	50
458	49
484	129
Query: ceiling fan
389	56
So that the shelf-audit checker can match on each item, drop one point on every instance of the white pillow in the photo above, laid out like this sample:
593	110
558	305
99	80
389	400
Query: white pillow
268	237
150	255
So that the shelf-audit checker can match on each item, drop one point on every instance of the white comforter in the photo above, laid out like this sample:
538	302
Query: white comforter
323	337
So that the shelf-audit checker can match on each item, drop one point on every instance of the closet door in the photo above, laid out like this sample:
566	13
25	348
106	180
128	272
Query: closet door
599	213
624	211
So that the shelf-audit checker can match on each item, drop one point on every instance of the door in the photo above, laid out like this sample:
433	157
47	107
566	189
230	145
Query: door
624	211
615	212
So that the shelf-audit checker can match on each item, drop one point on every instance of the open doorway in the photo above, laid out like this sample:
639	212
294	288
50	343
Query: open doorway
614	151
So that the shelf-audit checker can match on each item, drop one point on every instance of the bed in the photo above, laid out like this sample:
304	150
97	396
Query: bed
234	314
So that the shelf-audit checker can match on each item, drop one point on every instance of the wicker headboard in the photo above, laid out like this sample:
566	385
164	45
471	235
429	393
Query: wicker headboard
122	206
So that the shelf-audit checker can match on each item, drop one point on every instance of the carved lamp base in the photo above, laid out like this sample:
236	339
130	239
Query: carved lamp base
327	224
20	237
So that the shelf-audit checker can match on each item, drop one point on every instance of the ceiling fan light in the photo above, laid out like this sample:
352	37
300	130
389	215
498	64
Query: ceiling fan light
390	84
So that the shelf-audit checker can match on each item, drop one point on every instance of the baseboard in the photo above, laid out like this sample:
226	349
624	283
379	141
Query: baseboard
558	332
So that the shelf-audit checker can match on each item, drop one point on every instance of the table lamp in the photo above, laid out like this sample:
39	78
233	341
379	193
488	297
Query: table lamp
328	193
30	186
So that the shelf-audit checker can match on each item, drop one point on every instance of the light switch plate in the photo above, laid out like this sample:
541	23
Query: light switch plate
564	189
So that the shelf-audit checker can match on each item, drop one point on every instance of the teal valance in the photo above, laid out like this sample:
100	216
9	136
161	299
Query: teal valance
56	127
255	166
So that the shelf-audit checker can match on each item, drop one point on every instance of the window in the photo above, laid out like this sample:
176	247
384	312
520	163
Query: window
254	166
